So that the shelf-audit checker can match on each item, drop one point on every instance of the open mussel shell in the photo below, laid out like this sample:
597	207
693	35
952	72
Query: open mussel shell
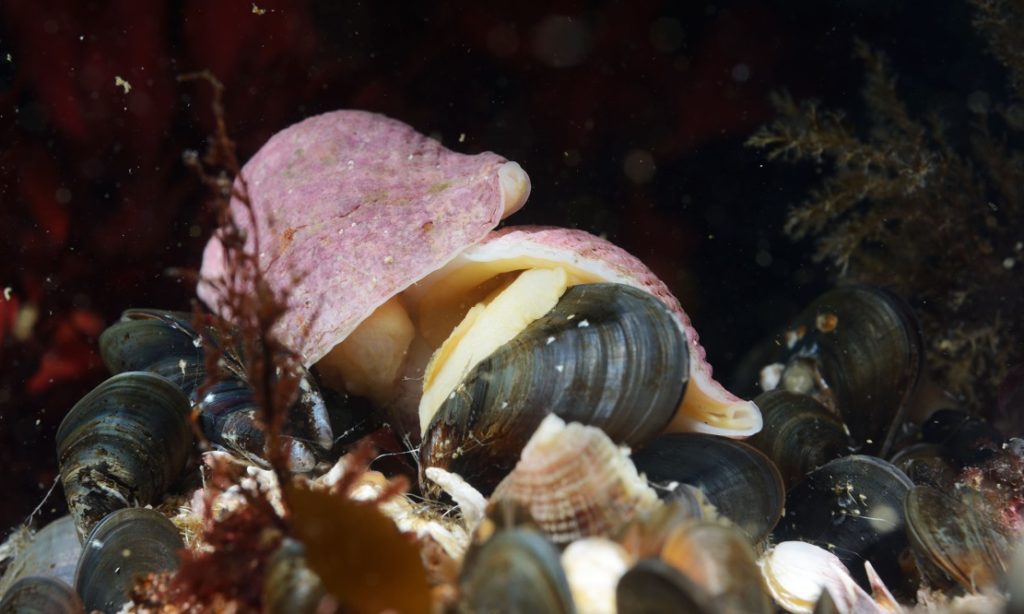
607	355
41	595
124	546
123	444
952	541
517	570
852	506
53	552
799	434
720	559
290	586
653	587
740	481
857	349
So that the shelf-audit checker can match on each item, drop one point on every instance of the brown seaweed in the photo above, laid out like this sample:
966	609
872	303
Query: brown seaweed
901	205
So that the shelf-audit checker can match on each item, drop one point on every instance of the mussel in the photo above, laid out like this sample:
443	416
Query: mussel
740	481
53	552
123	546
517	570
653	586
122	445
799	434
964	439
719	559
606	355
167	343
853	506
927	463
953	542
857	350
41	595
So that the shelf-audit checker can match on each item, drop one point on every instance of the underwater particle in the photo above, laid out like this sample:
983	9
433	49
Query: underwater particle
62	195
1008	263
639	166
257	10
121	83
826	322
25	322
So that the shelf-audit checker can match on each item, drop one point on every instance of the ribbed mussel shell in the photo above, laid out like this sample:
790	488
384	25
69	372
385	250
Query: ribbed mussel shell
741	482
41	595
123	444
852	506
607	355
575	482
857	349
167	343
799	434
517	570
125	545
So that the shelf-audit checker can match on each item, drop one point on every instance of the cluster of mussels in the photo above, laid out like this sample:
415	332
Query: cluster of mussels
521	367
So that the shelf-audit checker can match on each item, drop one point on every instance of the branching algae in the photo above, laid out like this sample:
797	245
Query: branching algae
902	206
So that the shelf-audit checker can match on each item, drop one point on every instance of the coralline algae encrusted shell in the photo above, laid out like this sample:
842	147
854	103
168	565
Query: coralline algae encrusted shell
353	207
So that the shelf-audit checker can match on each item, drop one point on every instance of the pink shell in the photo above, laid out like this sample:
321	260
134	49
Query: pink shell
352	208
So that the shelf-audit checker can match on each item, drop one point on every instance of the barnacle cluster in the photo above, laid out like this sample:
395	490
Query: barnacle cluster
904	203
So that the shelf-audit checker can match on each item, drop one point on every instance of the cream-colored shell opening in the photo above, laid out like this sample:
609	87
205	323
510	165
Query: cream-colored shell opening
452	305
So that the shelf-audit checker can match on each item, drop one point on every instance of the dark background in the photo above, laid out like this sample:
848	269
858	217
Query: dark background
630	118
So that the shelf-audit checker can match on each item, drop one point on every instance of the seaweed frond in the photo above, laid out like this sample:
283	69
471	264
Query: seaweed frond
245	295
999	21
902	207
